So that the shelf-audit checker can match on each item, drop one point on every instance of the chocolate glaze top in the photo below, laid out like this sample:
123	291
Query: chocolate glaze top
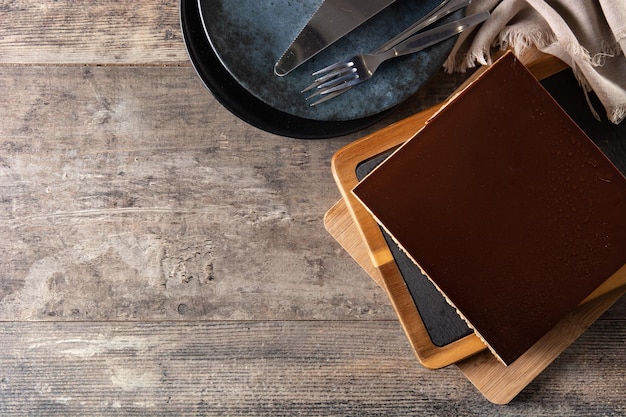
508	207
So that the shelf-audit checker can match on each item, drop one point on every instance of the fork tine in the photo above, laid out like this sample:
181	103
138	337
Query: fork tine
327	97
340	70
328	93
334	84
332	67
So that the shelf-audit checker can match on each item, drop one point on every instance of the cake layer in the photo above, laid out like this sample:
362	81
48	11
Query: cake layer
507	206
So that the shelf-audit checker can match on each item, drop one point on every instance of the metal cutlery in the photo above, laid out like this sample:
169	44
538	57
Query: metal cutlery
338	78
333	20
442	10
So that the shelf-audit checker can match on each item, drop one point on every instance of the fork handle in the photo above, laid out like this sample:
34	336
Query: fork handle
442	10
431	37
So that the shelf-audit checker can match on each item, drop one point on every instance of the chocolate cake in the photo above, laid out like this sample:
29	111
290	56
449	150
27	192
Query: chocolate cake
506	205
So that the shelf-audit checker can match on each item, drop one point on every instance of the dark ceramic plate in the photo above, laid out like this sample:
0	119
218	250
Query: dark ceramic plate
233	45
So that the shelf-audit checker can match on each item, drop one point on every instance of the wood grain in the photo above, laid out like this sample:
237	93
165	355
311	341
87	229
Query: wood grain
338	222
152	202
345	368
86	32
141	222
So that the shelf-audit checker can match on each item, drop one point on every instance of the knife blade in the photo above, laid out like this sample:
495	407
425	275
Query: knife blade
332	20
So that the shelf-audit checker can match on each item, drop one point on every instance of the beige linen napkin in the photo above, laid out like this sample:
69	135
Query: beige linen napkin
588	35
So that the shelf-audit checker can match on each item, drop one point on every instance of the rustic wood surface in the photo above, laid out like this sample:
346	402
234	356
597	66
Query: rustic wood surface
162	257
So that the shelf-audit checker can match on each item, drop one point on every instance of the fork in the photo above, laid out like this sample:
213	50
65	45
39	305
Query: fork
338	78
438	12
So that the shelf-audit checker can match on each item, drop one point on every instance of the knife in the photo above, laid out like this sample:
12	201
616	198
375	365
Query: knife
333	20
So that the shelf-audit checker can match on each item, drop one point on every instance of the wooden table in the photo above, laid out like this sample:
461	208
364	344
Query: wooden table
162	257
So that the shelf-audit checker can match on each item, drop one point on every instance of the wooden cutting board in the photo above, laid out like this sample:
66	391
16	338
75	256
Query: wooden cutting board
388	274
359	234
497	383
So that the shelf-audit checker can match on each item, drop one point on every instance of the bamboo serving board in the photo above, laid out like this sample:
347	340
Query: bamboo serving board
386	272
497	383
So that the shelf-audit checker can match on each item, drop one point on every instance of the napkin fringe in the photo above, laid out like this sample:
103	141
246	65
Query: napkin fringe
589	36
620	35
520	41
468	60
608	50
617	113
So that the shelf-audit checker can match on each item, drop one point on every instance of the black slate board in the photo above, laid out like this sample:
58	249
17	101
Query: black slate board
442	323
